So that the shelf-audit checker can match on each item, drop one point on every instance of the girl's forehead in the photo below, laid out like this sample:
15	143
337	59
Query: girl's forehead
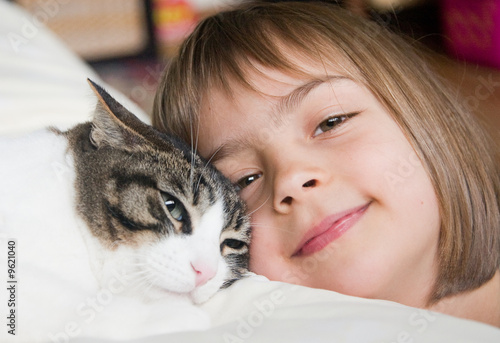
279	82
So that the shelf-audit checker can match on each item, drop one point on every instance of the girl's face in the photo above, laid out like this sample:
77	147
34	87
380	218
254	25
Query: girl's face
337	196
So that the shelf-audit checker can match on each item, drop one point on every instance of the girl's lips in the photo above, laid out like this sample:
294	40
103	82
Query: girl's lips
330	228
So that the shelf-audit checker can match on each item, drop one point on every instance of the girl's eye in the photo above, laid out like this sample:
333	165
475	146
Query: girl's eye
174	206
246	181
332	123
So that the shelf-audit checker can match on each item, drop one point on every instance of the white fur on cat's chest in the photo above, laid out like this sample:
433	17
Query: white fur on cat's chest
58	294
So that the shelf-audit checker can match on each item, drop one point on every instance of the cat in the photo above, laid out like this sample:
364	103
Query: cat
115	230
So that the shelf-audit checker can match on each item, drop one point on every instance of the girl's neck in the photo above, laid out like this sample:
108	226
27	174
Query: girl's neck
481	304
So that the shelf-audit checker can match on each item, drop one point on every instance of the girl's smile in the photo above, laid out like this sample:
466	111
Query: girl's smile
338	198
330	228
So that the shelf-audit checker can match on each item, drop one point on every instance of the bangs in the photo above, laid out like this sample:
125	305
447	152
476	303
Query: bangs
233	49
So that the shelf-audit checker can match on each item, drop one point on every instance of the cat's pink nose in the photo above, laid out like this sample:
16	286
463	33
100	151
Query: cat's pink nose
204	272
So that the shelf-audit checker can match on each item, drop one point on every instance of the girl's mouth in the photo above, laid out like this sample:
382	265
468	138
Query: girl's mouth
328	230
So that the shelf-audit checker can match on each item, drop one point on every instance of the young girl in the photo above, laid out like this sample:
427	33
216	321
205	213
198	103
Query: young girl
361	171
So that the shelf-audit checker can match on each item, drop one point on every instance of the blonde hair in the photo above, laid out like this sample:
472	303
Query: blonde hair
455	151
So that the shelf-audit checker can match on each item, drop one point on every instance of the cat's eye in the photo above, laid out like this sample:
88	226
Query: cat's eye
246	181
332	123
234	243
174	206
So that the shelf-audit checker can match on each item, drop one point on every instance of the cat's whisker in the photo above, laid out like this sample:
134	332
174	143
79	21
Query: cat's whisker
205	166
149	283
192	152
141	282
194	149
257	225
140	272
142	263
261	205
213	155
139	287
152	281
139	264
197	136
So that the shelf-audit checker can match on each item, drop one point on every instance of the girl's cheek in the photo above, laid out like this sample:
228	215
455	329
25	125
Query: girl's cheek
257	257
264	249
266	265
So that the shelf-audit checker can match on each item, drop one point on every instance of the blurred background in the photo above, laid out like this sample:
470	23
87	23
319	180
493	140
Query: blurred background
129	42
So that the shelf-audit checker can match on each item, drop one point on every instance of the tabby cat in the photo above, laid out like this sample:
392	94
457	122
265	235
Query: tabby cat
117	229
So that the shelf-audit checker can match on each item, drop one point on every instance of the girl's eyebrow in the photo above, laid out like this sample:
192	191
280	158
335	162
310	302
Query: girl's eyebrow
293	99
228	148
285	104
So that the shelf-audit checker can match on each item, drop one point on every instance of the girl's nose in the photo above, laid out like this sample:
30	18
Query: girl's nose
295	180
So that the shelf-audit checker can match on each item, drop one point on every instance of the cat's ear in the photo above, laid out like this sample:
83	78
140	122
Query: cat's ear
114	125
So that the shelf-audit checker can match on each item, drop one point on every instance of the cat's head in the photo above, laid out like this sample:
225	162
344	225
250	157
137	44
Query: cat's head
166	217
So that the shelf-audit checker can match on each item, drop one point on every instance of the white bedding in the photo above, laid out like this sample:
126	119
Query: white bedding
42	83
